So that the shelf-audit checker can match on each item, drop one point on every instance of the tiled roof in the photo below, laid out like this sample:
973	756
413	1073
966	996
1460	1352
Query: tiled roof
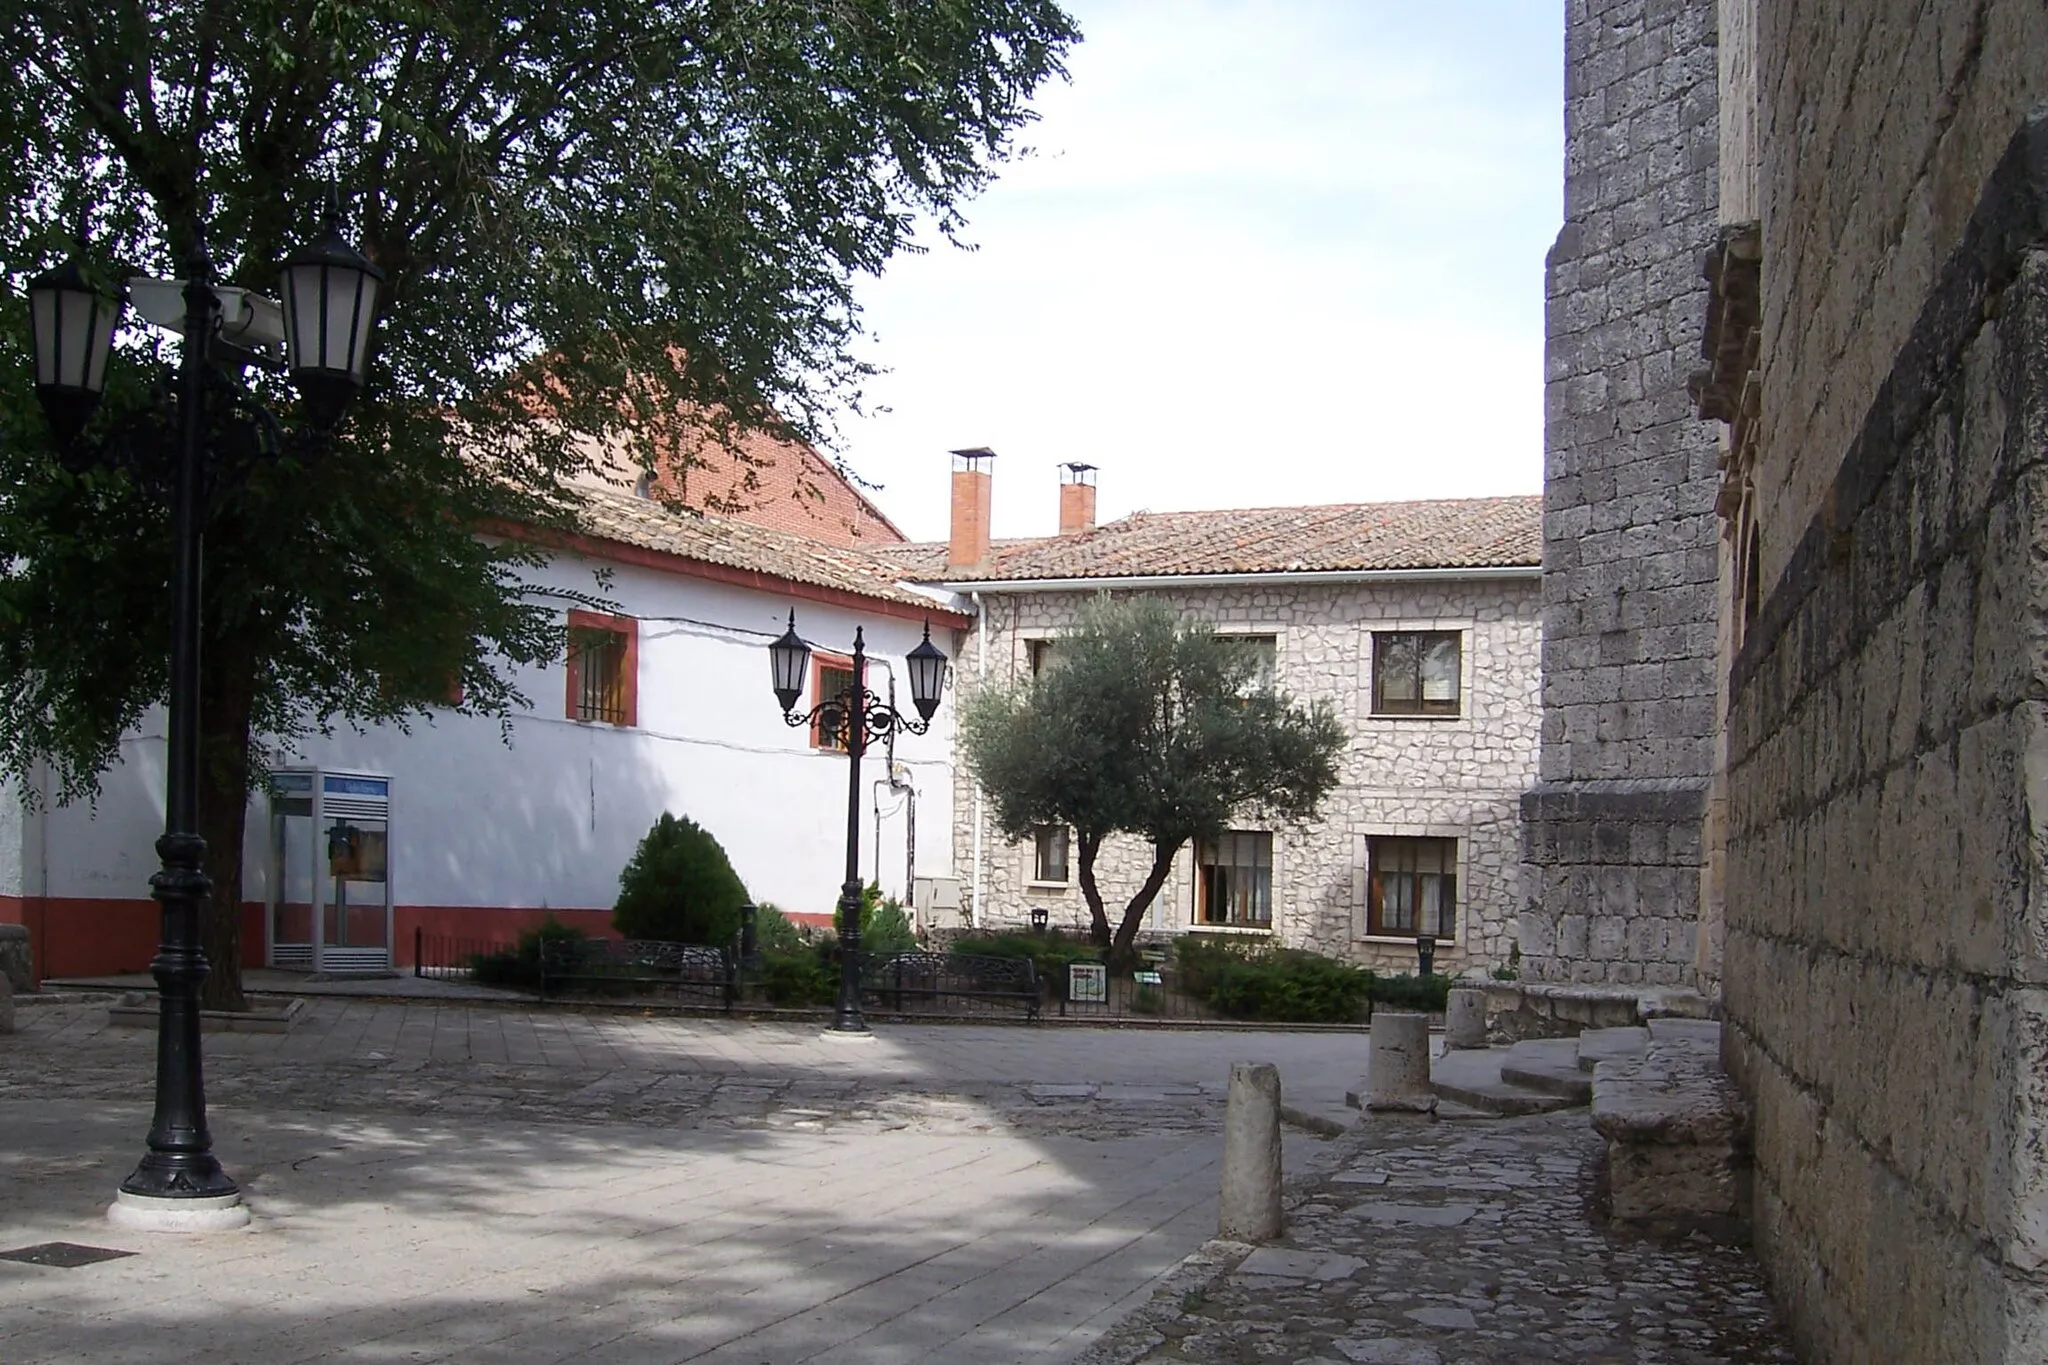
755	477
732	543
1461	533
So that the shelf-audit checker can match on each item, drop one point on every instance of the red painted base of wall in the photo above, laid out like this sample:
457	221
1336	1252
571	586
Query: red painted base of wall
81	936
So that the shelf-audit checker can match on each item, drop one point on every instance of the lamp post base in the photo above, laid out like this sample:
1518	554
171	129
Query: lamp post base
147	1213
835	1034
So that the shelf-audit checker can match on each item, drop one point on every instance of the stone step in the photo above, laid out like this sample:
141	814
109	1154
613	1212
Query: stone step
1599	1045
1549	1065
1472	1079
1677	1131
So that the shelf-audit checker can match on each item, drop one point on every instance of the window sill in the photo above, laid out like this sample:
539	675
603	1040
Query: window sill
1048	886
1414	715
1257	930
1407	941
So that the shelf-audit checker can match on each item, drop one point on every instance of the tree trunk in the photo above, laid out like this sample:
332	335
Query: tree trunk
1098	918
227	692
1121	954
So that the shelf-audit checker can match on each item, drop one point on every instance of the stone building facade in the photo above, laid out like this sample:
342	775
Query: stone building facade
1453	778
1614	827
1886	1000
1874	347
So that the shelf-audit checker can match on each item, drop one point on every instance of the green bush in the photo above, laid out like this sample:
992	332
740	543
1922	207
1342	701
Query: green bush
518	967
885	930
1280	985
1049	953
775	932
679	888
797	979
1430	994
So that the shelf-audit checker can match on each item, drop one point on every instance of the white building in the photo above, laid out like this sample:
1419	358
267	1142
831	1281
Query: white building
664	705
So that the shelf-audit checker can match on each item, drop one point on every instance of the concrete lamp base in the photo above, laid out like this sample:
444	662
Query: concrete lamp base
834	1035
143	1213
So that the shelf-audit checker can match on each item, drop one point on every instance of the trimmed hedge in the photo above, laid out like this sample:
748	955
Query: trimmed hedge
1276	985
518	967
1049	953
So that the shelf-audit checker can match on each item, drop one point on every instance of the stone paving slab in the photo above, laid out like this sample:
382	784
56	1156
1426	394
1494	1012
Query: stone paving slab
1414	1272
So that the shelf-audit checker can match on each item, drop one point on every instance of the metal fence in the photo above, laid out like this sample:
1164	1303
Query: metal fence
451	958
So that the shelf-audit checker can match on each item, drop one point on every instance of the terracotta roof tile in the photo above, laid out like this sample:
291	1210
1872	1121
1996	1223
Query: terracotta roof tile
1461	533
734	543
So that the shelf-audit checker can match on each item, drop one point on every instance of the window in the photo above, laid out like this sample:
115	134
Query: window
1415	672
1264	651
831	680
1234	880
1049	854
603	664
1413	888
1041	654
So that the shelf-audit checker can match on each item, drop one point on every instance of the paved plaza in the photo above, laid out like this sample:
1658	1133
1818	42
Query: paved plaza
489	1182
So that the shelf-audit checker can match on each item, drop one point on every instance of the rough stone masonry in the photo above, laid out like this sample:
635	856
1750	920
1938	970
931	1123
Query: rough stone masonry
1612	830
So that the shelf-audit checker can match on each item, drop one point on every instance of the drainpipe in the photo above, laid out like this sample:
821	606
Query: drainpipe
980	677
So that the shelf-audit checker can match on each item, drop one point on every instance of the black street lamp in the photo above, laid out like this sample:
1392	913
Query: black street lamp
179	1184
854	717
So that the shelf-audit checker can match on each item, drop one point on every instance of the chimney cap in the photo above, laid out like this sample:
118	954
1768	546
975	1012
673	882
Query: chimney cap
971	457
1077	472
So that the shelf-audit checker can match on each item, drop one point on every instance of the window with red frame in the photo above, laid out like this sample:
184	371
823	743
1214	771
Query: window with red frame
603	668
831	677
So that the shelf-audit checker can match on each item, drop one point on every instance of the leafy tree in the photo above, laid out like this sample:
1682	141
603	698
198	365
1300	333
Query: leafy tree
596	219
1149	726
679	887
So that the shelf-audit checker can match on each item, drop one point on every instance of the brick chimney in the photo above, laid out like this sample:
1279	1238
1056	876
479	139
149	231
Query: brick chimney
973	481
1077	498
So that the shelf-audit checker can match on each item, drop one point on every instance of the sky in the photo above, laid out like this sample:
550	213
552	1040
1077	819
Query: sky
1263	254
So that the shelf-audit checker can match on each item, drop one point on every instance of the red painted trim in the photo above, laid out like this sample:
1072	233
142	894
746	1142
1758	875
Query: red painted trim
820	661
663	561
629	667
93	936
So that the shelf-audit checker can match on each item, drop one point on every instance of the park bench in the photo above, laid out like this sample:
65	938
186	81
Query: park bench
688	971
905	980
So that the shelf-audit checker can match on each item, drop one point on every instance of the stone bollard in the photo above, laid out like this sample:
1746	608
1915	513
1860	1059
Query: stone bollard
6	1004
1399	1075
1465	1018
1250	1207
14	957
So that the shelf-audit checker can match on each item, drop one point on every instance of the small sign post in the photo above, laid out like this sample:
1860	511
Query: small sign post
1087	983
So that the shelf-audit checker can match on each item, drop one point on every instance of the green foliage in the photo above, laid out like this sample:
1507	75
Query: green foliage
607	214
885	928
1511	970
1049	953
1281	985
1152	726
797	979
518	967
1430	994
679	887
775	932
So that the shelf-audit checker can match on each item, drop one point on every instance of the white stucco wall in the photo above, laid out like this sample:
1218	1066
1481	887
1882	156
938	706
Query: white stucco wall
547	814
1459	778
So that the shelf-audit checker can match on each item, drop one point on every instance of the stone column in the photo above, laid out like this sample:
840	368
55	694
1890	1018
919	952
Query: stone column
1250	1207
1465	1018
1398	1078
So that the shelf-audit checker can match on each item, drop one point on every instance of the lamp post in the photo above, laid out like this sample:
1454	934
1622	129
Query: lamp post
1425	954
854	717
179	1185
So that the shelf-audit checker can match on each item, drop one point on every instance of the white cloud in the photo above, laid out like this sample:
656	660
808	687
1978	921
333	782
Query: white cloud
1266	254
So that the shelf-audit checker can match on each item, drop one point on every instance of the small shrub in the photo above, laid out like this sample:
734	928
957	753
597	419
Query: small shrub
1049	953
518	967
1512	970
796	979
775	932
884	928
1148	1000
679	888
1279	985
1430	994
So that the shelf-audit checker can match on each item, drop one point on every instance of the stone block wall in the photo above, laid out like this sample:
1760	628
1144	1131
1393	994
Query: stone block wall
1879	122
1630	557
1887	915
1448	778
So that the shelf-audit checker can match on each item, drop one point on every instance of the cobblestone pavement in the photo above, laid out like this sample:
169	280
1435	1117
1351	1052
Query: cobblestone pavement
423	1060
1457	1243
